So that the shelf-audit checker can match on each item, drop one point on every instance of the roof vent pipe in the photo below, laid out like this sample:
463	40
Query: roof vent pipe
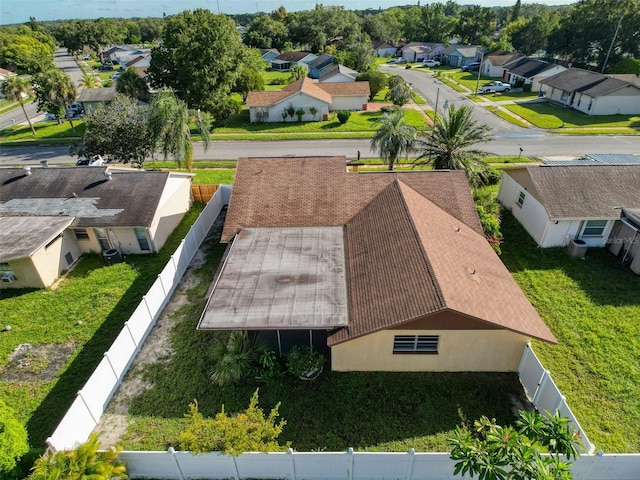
108	174
26	170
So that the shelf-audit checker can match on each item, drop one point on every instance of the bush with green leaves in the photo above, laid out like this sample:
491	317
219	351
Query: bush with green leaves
235	356
83	463
13	439
304	363
249	431
495	452
343	116
300	113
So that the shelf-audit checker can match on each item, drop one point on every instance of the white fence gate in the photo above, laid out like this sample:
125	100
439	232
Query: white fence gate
91	401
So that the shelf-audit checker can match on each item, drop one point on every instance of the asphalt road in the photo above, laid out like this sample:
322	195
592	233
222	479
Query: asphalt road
506	144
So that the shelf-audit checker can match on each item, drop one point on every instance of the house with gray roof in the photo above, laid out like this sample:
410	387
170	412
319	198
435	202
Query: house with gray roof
338	73
461	55
320	64
384	49
560	203
593	93
314	249
420	51
90	98
493	65
529	71
50	216
286	60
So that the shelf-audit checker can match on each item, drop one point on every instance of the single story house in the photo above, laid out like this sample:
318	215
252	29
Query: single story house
461	55
338	73
90	98
122	58
624	241
286	60
307	94
140	63
320	64
529	71
268	55
558	203
594	93
105	55
389	271
50	216
493	64
384	49
419	51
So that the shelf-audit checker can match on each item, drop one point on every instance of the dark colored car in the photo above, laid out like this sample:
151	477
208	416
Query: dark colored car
472	67
105	68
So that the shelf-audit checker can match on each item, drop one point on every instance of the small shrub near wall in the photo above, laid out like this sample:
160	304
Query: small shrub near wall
343	116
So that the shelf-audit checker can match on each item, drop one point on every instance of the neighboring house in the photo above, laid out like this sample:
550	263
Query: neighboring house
4	74
320	64
529	71
50	216
594	93
268	55
461	55
122	58
92	97
338	73
390	270
106	54
384	49
493	65
419	51
558	203
140	63
286	60
306	93
624	241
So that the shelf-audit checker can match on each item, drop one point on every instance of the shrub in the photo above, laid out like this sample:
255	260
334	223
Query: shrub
526	87
313	111
300	113
290	111
343	116
390	109
248	431
235	357
304	363
278	81
13	439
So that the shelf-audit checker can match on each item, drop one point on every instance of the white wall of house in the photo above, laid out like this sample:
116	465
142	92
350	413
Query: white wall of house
624	102
458	351
490	70
386	52
174	203
536	79
274	112
348	102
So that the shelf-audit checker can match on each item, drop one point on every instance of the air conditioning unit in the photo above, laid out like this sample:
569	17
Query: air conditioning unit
8	277
577	248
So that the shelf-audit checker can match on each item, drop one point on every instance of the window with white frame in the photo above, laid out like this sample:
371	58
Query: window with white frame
416	344
594	228
143	242
521	197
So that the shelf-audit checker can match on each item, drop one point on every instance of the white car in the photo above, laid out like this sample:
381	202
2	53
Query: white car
93	161
431	63
495	87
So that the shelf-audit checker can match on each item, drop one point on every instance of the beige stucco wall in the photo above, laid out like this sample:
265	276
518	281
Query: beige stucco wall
174	203
348	102
458	351
298	100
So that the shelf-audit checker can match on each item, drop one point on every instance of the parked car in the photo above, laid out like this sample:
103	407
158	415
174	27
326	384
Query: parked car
105	68
472	67
401	60
116	76
50	116
495	87
430	63
93	161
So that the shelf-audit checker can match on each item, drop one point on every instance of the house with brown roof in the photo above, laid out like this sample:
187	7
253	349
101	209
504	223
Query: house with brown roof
388	271
307	94
384	49
594	93
561	202
493	65
420	51
286	60
50	216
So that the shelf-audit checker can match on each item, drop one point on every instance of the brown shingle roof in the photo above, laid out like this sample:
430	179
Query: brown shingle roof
311	87
503	57
345	88
413	242
584	191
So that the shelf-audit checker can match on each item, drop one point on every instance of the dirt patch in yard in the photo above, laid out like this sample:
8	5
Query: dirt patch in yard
36	363
156	348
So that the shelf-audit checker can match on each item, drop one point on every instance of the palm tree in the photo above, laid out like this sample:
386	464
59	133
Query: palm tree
235	357
393	138
169	127
448	145
55	91
132	84
83	462
90	81
16	88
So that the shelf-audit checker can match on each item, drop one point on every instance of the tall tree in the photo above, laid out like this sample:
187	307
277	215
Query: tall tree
132	84
393	138
89	80
399	91
475	24
528	36
55	91
438	26
31	52
516	11
296	72
323	25
450	145
17	88
377	81
199	58
249	80
265	32
169	127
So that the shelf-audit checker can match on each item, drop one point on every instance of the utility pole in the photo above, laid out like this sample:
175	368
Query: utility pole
613	40
479	72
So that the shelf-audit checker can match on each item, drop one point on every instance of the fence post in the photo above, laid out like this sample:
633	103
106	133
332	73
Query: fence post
562	400
350	463
106	355
236	473
164	290
525	357
292	466
146	304
545	377
133	339
411	457
172	451
87	407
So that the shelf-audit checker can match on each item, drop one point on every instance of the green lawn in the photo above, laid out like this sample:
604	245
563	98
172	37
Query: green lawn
505	116
497	97
44	130
593	308
84	312
469	79
271	77
545	115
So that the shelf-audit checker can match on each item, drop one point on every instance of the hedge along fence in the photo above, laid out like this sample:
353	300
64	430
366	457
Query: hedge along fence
91	401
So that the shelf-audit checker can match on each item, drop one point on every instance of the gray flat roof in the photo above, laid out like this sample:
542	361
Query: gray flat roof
280	278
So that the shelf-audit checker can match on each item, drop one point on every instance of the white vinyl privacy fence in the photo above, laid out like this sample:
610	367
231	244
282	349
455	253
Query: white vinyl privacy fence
90	402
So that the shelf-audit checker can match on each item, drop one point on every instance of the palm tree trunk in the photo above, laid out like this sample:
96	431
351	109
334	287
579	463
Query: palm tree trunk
72	127
25	114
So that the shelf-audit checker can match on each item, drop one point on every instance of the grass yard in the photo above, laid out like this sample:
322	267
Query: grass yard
44	130
370	411
274	77
593	308
505	116
545	115
501	96
469	79
101	298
